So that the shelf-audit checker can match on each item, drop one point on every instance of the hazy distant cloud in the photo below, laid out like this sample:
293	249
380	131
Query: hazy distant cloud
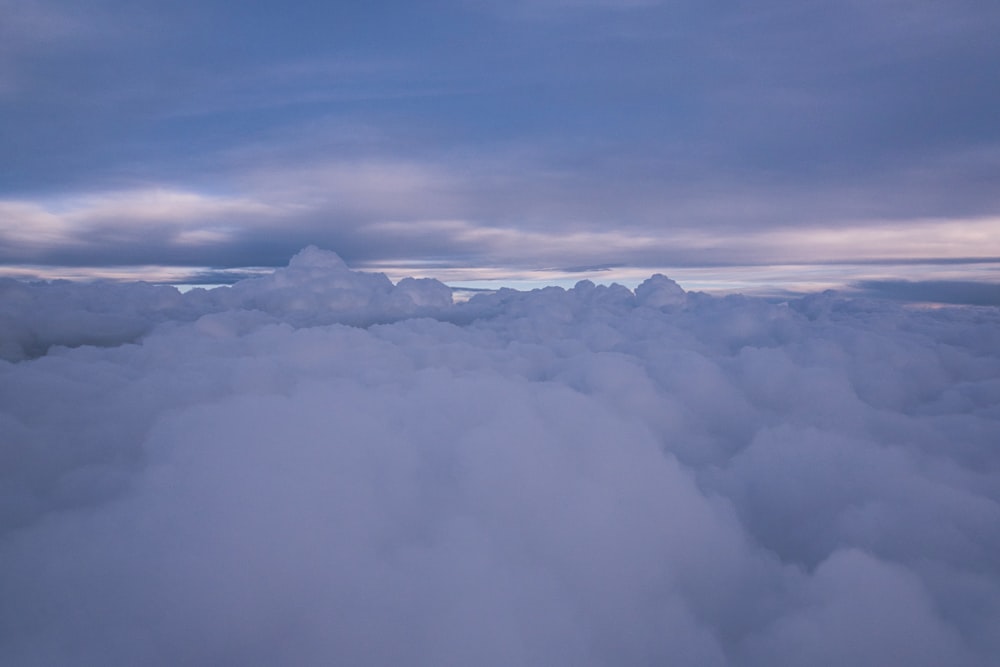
938	291
99	227
460	215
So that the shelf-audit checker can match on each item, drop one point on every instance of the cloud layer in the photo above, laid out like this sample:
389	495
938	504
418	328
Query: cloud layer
645	133
319	466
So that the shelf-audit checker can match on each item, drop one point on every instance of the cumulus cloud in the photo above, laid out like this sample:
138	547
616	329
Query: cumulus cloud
320	466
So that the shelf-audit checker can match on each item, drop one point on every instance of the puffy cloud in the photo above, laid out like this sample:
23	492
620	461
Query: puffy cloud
319	465
316	287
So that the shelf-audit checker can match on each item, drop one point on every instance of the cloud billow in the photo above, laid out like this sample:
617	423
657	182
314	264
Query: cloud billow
318	466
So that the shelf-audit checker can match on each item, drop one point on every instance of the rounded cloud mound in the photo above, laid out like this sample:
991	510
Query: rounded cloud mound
315	288
582	477
658	291
318	288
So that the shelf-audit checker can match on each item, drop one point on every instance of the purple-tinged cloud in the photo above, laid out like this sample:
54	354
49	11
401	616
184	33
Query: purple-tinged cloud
320	466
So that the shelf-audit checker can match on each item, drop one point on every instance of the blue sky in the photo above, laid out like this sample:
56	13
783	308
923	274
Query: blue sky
476	140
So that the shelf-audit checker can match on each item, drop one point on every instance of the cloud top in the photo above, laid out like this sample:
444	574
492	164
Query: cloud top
320	466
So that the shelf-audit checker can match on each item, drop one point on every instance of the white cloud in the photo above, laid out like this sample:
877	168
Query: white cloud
589	476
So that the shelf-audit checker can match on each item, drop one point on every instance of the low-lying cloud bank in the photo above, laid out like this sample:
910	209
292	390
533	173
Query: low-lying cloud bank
938	291
321	467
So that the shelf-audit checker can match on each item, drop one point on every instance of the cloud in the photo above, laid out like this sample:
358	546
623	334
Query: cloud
936	291
650	119
98	227
713	135
555	10
319	465
513	212
31	27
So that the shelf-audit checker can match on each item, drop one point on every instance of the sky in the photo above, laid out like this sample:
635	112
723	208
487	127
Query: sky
486	142
319	466
334	459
